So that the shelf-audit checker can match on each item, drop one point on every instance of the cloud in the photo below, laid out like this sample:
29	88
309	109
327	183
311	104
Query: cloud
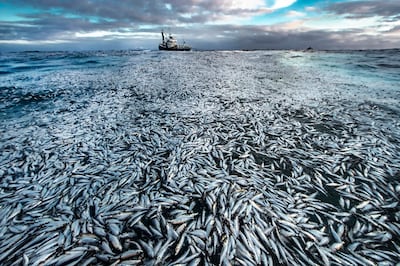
53	27
310	8
394	31
283	3
284	36
293	14
277	37
149	11
56	20
206	24
363	9
169	12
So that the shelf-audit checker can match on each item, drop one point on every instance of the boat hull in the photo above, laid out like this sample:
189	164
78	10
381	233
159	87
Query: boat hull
176	48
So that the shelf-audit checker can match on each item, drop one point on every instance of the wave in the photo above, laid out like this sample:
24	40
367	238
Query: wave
366	66
27	68
386	65
33	61
87	62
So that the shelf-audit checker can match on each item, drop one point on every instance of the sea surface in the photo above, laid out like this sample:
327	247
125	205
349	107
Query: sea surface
203	157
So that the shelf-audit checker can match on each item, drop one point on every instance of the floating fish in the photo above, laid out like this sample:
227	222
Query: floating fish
135	163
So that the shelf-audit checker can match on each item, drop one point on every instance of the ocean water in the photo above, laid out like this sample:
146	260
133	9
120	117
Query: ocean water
48	81
279	157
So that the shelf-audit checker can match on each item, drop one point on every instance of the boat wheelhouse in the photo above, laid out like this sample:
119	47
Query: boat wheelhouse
171	44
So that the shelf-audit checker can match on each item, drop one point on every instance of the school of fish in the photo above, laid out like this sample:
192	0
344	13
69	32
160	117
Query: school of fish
220	163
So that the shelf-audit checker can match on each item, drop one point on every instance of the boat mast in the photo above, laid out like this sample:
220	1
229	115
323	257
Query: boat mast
162	34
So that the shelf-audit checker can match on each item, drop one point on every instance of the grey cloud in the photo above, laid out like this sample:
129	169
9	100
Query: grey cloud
111	15
133	11
213	37
46	26
363	9
256	37
129	16
394	30
391	19
139	11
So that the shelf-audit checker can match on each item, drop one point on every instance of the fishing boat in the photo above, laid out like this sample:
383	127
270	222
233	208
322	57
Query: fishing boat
170	43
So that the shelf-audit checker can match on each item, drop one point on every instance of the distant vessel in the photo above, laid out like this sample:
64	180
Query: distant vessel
169	43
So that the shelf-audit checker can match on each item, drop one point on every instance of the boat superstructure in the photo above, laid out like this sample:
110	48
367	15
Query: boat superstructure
171	44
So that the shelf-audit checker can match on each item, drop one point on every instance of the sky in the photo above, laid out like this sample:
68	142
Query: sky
203	24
